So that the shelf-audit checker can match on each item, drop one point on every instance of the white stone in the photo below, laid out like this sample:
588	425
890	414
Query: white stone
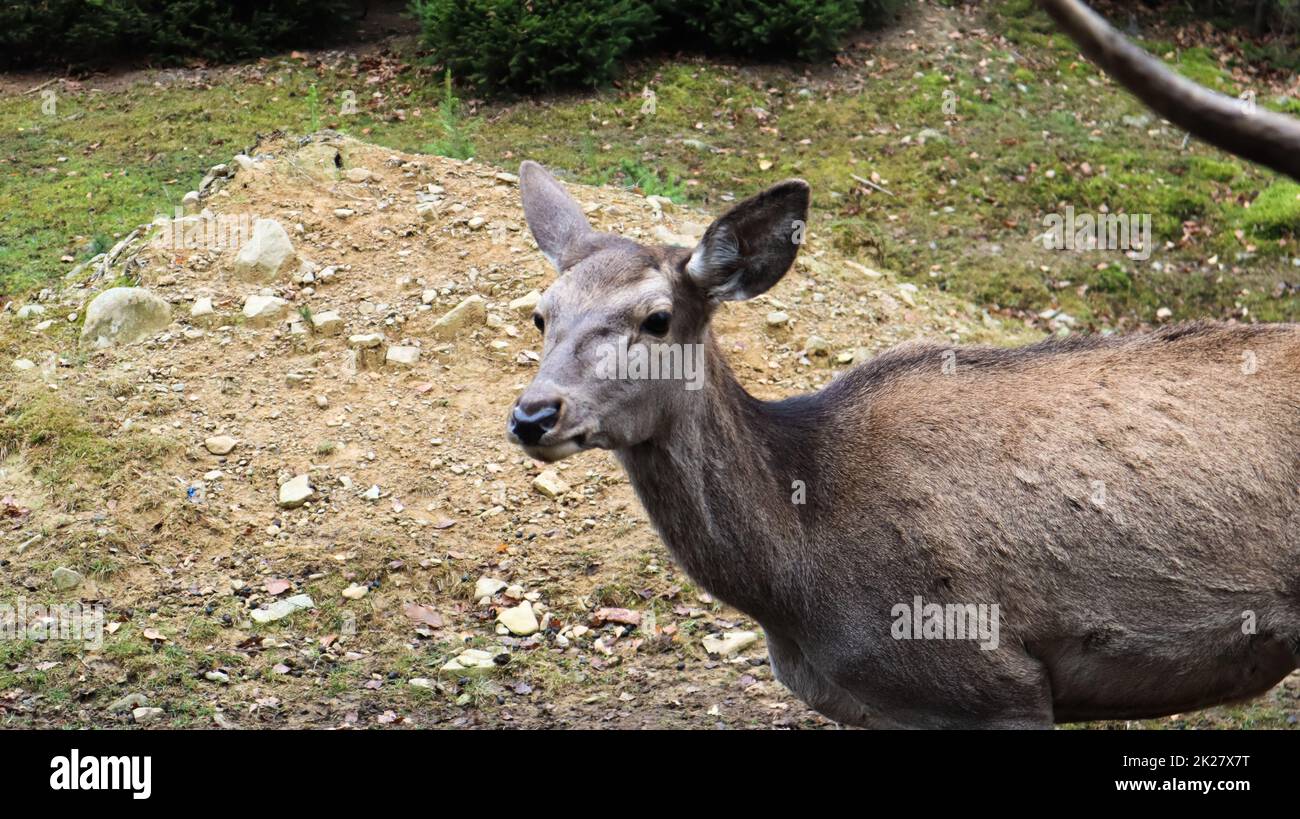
472	662
488	587
520	620
281	609
469	313
220	444
263	310
550	484
295	492
327	323
267	252
124	315
729	643
403	356
527	303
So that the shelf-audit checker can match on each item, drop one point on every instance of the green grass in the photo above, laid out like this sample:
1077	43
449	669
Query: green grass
962	217
61	443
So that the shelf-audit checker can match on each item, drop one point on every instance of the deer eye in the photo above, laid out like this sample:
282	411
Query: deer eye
656	324
539	323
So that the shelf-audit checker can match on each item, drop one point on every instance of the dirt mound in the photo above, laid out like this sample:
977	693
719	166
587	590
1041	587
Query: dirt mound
414	494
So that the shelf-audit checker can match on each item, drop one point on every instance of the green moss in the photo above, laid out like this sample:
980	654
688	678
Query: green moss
1274	213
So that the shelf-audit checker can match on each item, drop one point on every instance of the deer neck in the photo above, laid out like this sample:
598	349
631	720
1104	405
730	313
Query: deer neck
718	482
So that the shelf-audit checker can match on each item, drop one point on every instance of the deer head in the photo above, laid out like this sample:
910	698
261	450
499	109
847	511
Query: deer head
626	326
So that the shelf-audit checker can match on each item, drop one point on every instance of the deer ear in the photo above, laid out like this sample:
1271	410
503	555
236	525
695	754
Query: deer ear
553	216
750	247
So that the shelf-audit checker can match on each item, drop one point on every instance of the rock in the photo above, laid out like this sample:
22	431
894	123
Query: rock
355	591
427	211
295	492
472	662
344	213
358	175
527	303
550	484
281	609
202	309
661	203
24	364
1164	313
267	252
190	202
930	135
469	313
30	311
366	341
127	703
729	643
488	587
66	579
217	677
778	318
508	178
319	160
816	345
263	310
220	444
328	323
124	315
520	620
420	682
145	715
403	356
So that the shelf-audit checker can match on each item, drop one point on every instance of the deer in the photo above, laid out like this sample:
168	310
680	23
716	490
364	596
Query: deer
1125	507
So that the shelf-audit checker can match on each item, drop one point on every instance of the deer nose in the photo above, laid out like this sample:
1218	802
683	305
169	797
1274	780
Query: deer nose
529	422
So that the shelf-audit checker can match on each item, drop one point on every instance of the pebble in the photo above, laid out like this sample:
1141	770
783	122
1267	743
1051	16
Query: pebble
403	356
145	715
295	492
488	587
220	444
469	313
355	591
550	484
520	620
66	579
729	643
281	609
